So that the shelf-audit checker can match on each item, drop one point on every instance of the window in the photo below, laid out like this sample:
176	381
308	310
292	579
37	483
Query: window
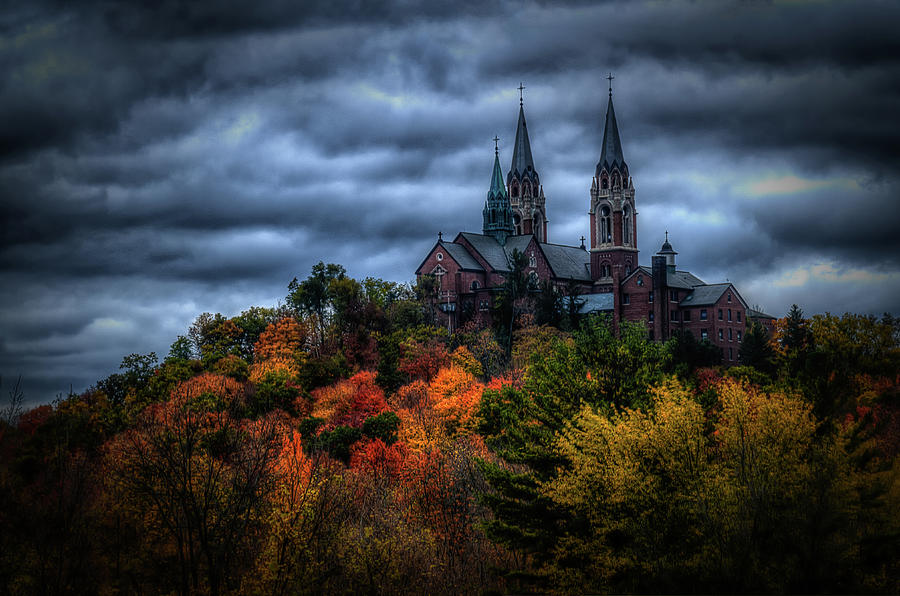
738	316
721	335
704	334
650	297
673	315
729	297
532	261
640	280
604	270
626	299
729	314
483	305
440	256
686	316
673	295
474	285
627	270
730	338
739	336
605	224
626	225
703	314
650	317
720	314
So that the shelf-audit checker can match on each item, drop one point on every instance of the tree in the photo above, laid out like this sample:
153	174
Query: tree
756	349
313	295
513	299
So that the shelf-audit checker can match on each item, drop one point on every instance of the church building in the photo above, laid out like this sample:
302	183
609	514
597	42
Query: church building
606	275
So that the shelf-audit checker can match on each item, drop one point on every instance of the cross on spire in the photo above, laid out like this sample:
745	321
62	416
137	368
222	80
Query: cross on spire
667	235
610	78
521	95
496	145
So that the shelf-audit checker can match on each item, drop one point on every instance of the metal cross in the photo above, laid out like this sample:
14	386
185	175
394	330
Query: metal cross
496	146
610	79
521	88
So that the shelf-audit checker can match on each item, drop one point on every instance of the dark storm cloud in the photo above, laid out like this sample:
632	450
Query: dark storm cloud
159	160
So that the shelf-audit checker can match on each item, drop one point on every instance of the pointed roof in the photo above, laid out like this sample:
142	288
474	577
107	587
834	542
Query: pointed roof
522	162
498	189
611	155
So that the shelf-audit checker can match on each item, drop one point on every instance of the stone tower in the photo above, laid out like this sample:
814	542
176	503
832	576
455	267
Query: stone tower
614	250
525	191
498	217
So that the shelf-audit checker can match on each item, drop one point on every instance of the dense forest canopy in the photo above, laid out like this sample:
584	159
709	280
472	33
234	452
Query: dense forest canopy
344	442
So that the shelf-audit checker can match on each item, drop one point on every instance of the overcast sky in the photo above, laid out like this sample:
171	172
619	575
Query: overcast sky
159	162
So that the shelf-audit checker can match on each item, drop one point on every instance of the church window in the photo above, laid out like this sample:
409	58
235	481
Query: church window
515	190
474	285
533	277
604	183
627	270
729	296
640	280
605	225
532	262
703	314
604	270
440	256
626	225
526	190
626	299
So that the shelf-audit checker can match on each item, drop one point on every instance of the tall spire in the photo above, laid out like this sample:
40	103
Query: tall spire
611	155
498	218
522	162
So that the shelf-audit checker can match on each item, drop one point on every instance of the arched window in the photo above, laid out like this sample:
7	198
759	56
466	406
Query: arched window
605	225
604	183
475	285
526	190
627	270
626	225
616	182
532	261
514	190
517	223
605	270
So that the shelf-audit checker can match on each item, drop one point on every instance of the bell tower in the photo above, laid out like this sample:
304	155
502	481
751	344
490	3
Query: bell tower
526	194
614	250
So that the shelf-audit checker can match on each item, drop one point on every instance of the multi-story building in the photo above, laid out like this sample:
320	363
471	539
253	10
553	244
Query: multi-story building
606	275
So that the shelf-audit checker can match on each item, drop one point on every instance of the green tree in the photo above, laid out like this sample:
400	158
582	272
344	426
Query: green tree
756	349
313	296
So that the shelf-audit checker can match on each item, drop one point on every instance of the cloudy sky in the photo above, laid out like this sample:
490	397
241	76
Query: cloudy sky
163	161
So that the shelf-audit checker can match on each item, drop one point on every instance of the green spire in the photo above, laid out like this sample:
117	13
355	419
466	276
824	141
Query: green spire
498	219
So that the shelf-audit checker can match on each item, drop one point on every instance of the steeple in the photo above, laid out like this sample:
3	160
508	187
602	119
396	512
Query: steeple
669	253
498	217
611	156
525	191
522	162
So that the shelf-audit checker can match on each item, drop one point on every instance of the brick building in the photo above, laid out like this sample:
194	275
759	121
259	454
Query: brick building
472	267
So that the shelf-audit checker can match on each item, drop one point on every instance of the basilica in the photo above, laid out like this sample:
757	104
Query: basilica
606	276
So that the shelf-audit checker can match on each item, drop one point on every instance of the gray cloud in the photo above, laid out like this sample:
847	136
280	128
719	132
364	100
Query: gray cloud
160	160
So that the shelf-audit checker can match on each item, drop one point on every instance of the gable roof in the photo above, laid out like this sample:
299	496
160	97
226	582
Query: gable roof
758	314
596	302
489	249
683	280
705	295
568	262
458	253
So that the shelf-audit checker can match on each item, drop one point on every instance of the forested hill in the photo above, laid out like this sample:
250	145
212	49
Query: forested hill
344	443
